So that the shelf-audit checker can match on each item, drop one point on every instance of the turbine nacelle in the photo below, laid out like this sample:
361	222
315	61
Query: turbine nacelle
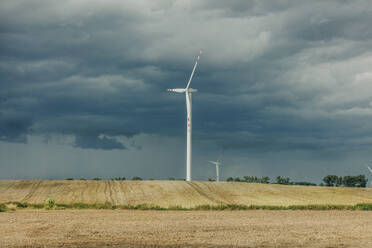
215	162
189	90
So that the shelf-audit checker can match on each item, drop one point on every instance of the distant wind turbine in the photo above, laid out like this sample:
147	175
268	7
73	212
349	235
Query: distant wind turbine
217	164
370	170
188	91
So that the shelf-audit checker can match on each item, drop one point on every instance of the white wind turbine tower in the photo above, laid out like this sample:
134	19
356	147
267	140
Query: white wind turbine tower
370	170
188	92
217	163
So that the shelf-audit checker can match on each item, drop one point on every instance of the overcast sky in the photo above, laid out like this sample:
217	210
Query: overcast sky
285	88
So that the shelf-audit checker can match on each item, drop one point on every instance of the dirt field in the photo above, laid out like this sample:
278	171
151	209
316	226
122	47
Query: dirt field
125	228
185	194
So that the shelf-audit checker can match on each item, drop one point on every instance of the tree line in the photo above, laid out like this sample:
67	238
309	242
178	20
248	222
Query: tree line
266	180
329	180
346	181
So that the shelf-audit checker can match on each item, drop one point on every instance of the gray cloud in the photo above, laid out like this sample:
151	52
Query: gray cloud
93	142
274	76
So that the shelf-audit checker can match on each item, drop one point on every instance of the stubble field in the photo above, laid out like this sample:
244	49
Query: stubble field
177	193
130	228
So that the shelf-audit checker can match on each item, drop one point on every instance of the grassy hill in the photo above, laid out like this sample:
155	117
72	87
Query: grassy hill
171	193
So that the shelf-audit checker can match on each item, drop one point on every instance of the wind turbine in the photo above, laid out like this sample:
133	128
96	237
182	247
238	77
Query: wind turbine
188	92
370	170
217	163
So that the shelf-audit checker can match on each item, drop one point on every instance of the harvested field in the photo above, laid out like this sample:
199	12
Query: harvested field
180	193
125	228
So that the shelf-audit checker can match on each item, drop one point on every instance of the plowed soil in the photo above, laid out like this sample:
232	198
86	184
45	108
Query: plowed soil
180	193
130	228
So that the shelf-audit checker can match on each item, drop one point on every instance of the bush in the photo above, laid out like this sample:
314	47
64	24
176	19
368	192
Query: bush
363	206
304	183
3	208
49	203
119	178
19	204
320	207
137	179
176	207
35	205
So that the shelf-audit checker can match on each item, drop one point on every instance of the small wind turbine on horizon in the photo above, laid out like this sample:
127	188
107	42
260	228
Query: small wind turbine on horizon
370	170
188	92
217	164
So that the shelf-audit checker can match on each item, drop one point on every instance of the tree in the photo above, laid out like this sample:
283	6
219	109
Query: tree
137	179
237	179
265	180
346	181
119	178
230	179
250	179
330	180
355	181
361	181
338	181
254	179
282	180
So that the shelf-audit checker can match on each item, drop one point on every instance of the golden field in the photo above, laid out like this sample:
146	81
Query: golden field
133	228
180	193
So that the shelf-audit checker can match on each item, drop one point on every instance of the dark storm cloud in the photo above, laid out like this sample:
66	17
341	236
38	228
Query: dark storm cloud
274	75
14	129
98	143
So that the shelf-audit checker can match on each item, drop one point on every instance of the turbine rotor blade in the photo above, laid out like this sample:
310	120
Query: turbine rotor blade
193	70
177	90
370	170
220	157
